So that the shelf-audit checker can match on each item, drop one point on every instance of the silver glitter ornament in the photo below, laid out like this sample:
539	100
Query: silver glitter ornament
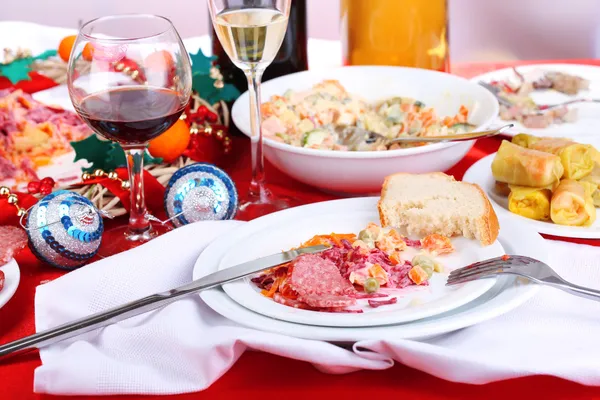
200	192
64	229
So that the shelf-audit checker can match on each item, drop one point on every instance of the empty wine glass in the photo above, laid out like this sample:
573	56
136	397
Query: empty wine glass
130	79
251	32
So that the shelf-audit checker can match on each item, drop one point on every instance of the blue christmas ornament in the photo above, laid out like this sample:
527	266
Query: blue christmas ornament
200	192
64	229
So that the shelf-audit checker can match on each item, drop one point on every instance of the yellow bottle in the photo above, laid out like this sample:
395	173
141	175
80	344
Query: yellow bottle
412	33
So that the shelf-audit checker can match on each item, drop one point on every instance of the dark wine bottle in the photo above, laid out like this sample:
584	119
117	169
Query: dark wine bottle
292	56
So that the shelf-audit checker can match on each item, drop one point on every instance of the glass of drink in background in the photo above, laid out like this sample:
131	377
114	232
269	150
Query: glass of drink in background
411	33
251	32
135	86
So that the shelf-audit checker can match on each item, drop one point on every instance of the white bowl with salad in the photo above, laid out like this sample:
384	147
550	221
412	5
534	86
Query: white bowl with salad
301	110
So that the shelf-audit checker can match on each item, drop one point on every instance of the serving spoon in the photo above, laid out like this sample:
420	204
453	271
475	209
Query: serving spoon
352	136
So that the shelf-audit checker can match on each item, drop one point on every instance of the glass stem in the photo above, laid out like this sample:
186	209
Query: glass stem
256	191
138	220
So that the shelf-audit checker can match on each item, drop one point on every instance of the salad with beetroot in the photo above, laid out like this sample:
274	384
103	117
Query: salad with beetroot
371	265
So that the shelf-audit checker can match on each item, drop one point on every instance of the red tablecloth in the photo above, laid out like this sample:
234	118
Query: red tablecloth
259	375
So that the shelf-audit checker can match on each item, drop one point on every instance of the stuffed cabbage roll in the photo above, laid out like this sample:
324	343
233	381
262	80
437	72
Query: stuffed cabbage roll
530	202
519	166
501	189
594	180
572	204
525	140
577	159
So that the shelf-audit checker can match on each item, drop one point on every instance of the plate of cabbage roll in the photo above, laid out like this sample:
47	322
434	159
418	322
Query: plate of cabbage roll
529	89
552	184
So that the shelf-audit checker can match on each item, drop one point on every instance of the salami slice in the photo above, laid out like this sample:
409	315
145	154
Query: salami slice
278	298
12	239
319	283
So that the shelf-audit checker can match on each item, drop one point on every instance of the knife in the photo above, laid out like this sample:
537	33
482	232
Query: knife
152	302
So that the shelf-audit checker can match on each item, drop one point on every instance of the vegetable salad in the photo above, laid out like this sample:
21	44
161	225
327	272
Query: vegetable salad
307	118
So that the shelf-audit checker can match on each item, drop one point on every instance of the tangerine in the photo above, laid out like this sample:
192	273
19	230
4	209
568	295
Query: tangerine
172	143
88	52
65	47
159	61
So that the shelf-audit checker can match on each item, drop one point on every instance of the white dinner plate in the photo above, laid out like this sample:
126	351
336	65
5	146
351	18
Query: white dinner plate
287	229
508	293
588	121
481	174
12	276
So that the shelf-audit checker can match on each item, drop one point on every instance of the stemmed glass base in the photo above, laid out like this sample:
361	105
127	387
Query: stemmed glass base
261	202
119	239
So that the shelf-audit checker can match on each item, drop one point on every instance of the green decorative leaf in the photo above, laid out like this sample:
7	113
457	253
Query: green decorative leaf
201	63
229	92
94	151
104	155
116	158
204	85
45	55
148	159
17	70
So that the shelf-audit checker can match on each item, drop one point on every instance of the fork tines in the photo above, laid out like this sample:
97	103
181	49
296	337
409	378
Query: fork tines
485	269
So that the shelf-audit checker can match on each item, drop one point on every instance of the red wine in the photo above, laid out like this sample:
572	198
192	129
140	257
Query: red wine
131	114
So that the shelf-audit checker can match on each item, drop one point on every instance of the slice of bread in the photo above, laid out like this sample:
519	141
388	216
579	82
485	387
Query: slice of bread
436	203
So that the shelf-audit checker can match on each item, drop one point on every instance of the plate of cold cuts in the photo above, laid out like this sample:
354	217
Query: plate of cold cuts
12	240
547	100
370	276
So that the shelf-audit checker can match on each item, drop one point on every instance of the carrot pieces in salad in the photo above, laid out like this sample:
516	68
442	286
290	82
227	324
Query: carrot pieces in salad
332	239
418	275
437	244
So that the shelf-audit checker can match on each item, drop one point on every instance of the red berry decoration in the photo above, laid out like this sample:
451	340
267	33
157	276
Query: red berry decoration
48	181
46	189
202	111
211	117
33	187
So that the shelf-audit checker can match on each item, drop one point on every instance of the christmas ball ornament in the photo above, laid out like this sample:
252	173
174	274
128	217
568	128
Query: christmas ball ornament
200	192
64	229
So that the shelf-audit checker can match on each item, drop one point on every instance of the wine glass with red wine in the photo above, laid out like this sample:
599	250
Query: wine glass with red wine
251	32
130	79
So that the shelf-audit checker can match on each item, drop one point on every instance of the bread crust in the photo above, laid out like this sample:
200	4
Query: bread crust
382	217
488	226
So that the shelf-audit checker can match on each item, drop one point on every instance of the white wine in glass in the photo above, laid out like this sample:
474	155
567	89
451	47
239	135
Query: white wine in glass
251	37
251	32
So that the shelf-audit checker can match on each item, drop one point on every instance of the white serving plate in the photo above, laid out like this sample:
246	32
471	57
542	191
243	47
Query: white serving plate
286	229
12	276
507	294
588	121
364	172
481	174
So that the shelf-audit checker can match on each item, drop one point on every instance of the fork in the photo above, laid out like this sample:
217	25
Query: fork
540	107
526	267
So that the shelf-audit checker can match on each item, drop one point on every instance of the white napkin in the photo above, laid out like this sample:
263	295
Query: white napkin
182	348
186	346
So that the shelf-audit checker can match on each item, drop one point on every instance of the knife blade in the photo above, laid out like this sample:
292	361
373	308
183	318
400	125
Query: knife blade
152	302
